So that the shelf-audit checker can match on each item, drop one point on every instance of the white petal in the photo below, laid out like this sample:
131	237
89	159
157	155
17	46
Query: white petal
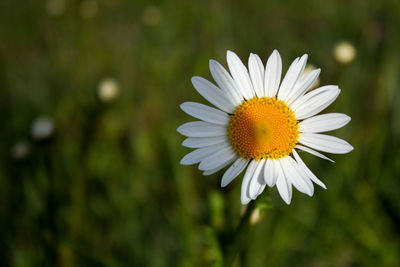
270	172
246	180
315	101
213	94
213	161
261	189
205	113
256	70
219	167
324	123
307	170
301	100
302	86
257	181
303	184
272	76
196	142
291	77
313	152
199	154
283	185
201	129
304	178
225	82
325	143
233	171
240	75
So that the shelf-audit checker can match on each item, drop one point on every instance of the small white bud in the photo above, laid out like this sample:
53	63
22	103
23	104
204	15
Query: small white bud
20	150
108	90
344	52
255	216
42	128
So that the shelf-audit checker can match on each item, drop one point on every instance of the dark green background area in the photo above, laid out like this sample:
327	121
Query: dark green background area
107	188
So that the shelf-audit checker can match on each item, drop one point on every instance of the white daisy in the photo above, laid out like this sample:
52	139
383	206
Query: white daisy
259	123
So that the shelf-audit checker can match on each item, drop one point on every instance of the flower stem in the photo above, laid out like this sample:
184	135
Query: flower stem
240	236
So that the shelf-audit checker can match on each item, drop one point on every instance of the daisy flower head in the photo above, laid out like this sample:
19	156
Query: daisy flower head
258	124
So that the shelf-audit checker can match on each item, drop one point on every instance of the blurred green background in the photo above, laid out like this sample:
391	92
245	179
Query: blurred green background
92	178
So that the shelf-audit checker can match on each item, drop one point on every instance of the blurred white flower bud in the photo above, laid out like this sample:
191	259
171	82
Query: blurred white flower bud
42	128
255	216
55	7
20	150
344	52
151	15
108	90
88	9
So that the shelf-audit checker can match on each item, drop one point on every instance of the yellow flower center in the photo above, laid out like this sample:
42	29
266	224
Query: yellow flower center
263	128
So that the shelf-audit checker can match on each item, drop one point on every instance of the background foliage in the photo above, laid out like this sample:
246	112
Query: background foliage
106	189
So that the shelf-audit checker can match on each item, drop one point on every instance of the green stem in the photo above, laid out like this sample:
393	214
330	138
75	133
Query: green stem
240	236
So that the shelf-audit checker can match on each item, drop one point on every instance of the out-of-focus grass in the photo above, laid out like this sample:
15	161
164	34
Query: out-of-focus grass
107	188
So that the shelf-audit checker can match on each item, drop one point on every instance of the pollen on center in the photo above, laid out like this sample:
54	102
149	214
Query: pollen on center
263	128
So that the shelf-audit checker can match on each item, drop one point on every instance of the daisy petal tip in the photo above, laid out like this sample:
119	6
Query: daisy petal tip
184	143
179	130
245	201
212	63
223	184
183	106
197	80
321	184
184	161
194	79
200	167
348	148
253	56
286	197
277	56
304	57
230	53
